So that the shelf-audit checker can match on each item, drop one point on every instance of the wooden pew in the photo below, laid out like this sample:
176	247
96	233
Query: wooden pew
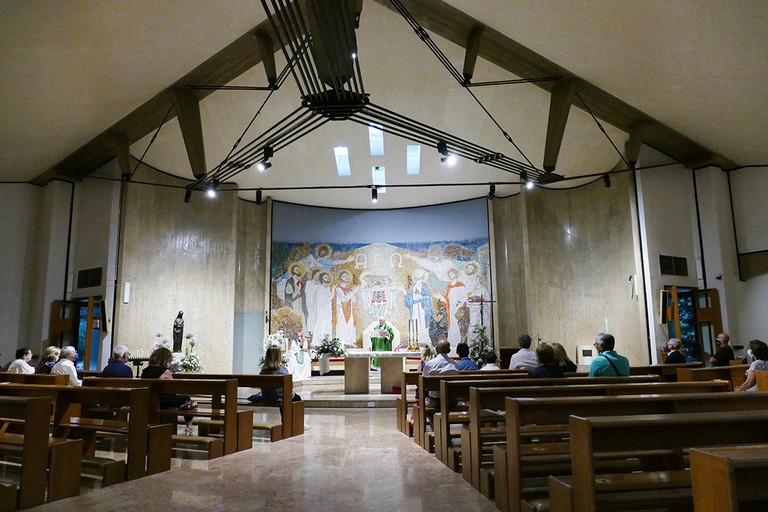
34	378
402	403
221	392
668	372
45	463
454	391
725	479
593	437
483	399
734	374
432	383
525	417
762	380
292	413
75	408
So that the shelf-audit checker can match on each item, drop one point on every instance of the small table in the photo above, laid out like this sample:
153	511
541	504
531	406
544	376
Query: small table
357	365
137	363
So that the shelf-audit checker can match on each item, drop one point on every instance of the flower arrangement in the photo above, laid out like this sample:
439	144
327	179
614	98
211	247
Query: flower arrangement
329	346
189	362
479	346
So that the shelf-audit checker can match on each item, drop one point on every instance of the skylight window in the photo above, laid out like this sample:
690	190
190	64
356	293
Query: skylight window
376	139
413	159
342	161
379	177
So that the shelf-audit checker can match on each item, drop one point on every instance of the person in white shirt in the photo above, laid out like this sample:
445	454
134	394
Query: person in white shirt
21	363
525	358
440	365
490	362
66	365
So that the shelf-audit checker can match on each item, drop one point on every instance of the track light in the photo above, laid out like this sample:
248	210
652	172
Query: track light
263	166
374	195
492	192
446	157
607	180
269	152
259	199
524	180
187	195
213	188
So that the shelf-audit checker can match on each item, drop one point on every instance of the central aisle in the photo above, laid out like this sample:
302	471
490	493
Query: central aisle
350	459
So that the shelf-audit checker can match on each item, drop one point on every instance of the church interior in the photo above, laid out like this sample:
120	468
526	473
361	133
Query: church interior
590	166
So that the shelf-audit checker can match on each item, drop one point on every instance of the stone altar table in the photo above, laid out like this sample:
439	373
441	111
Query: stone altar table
357	364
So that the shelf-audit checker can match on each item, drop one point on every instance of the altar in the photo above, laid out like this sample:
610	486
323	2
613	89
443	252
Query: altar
357	364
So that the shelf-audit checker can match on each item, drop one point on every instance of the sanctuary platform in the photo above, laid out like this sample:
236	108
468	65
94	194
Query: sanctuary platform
328	391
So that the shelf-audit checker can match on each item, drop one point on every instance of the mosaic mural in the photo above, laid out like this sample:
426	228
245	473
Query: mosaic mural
339	290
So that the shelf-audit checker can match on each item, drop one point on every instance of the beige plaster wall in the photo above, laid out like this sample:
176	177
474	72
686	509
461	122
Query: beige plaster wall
178	256
564	265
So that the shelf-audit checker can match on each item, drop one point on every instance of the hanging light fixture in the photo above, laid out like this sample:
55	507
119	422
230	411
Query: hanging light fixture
374	195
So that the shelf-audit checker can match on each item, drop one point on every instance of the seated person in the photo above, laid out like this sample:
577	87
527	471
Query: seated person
116	366
562	359
157	368
608	363
21	363
490	362
758	351
675	355
50	356
66	365
465	363
440	365
525	357
548	367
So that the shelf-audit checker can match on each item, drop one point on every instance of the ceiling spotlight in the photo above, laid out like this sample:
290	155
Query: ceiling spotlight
529	185
607	180
212	189
187	195
374	195
263	166
259	199
269	152
442	147
492	192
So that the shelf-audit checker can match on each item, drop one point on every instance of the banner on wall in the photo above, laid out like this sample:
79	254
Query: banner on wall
426	270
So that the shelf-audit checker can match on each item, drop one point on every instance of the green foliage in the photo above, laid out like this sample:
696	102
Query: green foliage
480	346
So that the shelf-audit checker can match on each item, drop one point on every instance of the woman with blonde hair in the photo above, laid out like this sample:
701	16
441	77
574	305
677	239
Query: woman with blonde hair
561	358
50	356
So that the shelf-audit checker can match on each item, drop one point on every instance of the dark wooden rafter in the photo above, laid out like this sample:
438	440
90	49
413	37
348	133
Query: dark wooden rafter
452	24
122	150
637	134
267	53
559	108
188	111
435	16
470	57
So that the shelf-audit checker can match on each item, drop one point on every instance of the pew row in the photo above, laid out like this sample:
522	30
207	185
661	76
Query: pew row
454	395
50	468
292	413
734	374
84	412
220	391
740	473
586	490
527	418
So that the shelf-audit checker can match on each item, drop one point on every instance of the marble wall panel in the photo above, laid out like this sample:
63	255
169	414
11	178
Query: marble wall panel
178	256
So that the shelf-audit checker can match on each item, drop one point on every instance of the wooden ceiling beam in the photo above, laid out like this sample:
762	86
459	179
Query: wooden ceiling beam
559	108
187	108
452	24
470	57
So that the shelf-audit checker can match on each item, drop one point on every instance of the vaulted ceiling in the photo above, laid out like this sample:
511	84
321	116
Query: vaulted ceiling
85	82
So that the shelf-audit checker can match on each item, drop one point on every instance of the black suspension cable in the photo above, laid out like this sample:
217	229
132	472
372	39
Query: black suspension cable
601	128
141	160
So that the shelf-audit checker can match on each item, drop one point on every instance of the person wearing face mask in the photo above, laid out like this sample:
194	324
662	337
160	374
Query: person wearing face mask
758	352
724	352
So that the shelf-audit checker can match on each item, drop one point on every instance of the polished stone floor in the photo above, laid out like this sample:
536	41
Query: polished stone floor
349	459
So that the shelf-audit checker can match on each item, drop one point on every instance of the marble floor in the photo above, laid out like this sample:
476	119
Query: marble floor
350	459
